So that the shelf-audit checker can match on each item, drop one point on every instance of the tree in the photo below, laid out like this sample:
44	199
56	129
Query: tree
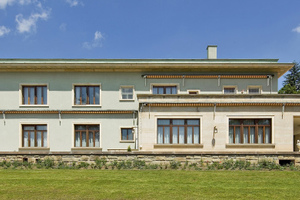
291	84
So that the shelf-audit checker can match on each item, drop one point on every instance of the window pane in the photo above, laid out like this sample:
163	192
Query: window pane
231	135
28	128
175	135
41	127
163	122
196	135
39	95
234	122
39	139
260	134
189	135
77	95
237	135
32	139
80	127
32	95
252	135
25	139
83	135
124	134
97	139
97	95
25	93
249	122
130	135
130	96
155	90
268	135
45	139
192	122
246	130
168	90
253	90
181	135
91	139
178	121
160	90
160	131
174	90
229	90
44	95
96	127
77	139
91	95
83	95
264	122
167	135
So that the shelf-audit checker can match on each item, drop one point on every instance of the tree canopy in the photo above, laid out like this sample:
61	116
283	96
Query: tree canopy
291	84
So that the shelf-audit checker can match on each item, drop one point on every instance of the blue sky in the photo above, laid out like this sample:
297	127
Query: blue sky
150	29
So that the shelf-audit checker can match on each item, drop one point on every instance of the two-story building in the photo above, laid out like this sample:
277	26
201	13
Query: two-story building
151	105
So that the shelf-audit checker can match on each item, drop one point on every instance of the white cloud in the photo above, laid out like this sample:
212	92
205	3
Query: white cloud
29	25
4	3
63	27
97	42
4	30
73	3
297	29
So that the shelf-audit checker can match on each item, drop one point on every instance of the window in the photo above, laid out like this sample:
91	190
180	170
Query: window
250	131
34	135
193	91
87	136
127	92
87	95
229	90
126	134
178	131
34	95
254	90
165	89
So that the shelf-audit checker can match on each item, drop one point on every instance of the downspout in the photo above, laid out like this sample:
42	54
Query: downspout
4	117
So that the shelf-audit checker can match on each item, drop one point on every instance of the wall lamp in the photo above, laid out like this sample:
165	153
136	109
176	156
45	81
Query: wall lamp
215	129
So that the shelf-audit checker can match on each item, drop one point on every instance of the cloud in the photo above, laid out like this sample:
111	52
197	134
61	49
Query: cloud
97	42
63	27
29	25
297	29
4	31
5	3
73	3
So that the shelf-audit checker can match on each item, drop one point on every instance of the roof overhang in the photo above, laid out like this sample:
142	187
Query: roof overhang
267	66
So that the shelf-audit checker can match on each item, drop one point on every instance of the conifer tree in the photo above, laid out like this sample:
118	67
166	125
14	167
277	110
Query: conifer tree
291	84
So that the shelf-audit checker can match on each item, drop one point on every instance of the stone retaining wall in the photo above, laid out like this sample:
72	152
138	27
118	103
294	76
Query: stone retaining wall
152	158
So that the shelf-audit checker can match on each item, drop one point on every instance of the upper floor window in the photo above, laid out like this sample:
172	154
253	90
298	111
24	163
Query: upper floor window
127	92
229	90
87	95
250	131
254	90
34	135
87	136
34	95
170	89
178	131
126	134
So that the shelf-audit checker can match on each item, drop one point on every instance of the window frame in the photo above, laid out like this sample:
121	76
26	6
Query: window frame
87	136
165	85
256	125
43	146
185	131
230	86
35	85
133	135
254	87
121	93
85	85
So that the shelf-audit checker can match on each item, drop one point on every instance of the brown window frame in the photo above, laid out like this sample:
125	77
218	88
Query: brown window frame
256	125
127	134
164	87
35	135
171	125
87	134
44	100
87	94
230	87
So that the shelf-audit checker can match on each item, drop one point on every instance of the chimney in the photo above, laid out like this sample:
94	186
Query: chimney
211	52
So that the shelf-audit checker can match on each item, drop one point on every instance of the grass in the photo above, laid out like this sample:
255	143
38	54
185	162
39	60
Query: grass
147	184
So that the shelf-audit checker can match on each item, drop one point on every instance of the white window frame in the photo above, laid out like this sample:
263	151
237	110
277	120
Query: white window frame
165	84
33	123
133	134
230	86
21	85
133	92
254	86
86	123
86	84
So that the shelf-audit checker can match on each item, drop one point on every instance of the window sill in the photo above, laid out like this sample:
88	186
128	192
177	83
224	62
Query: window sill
126	100
86	149
86	106
34	149
165	146
126	141
34	106
252	146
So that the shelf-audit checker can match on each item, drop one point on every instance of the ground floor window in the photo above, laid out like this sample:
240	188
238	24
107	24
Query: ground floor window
34	135
87	136
126	134
250	131
178	131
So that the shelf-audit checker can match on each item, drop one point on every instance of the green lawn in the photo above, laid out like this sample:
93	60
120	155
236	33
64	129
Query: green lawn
148	184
